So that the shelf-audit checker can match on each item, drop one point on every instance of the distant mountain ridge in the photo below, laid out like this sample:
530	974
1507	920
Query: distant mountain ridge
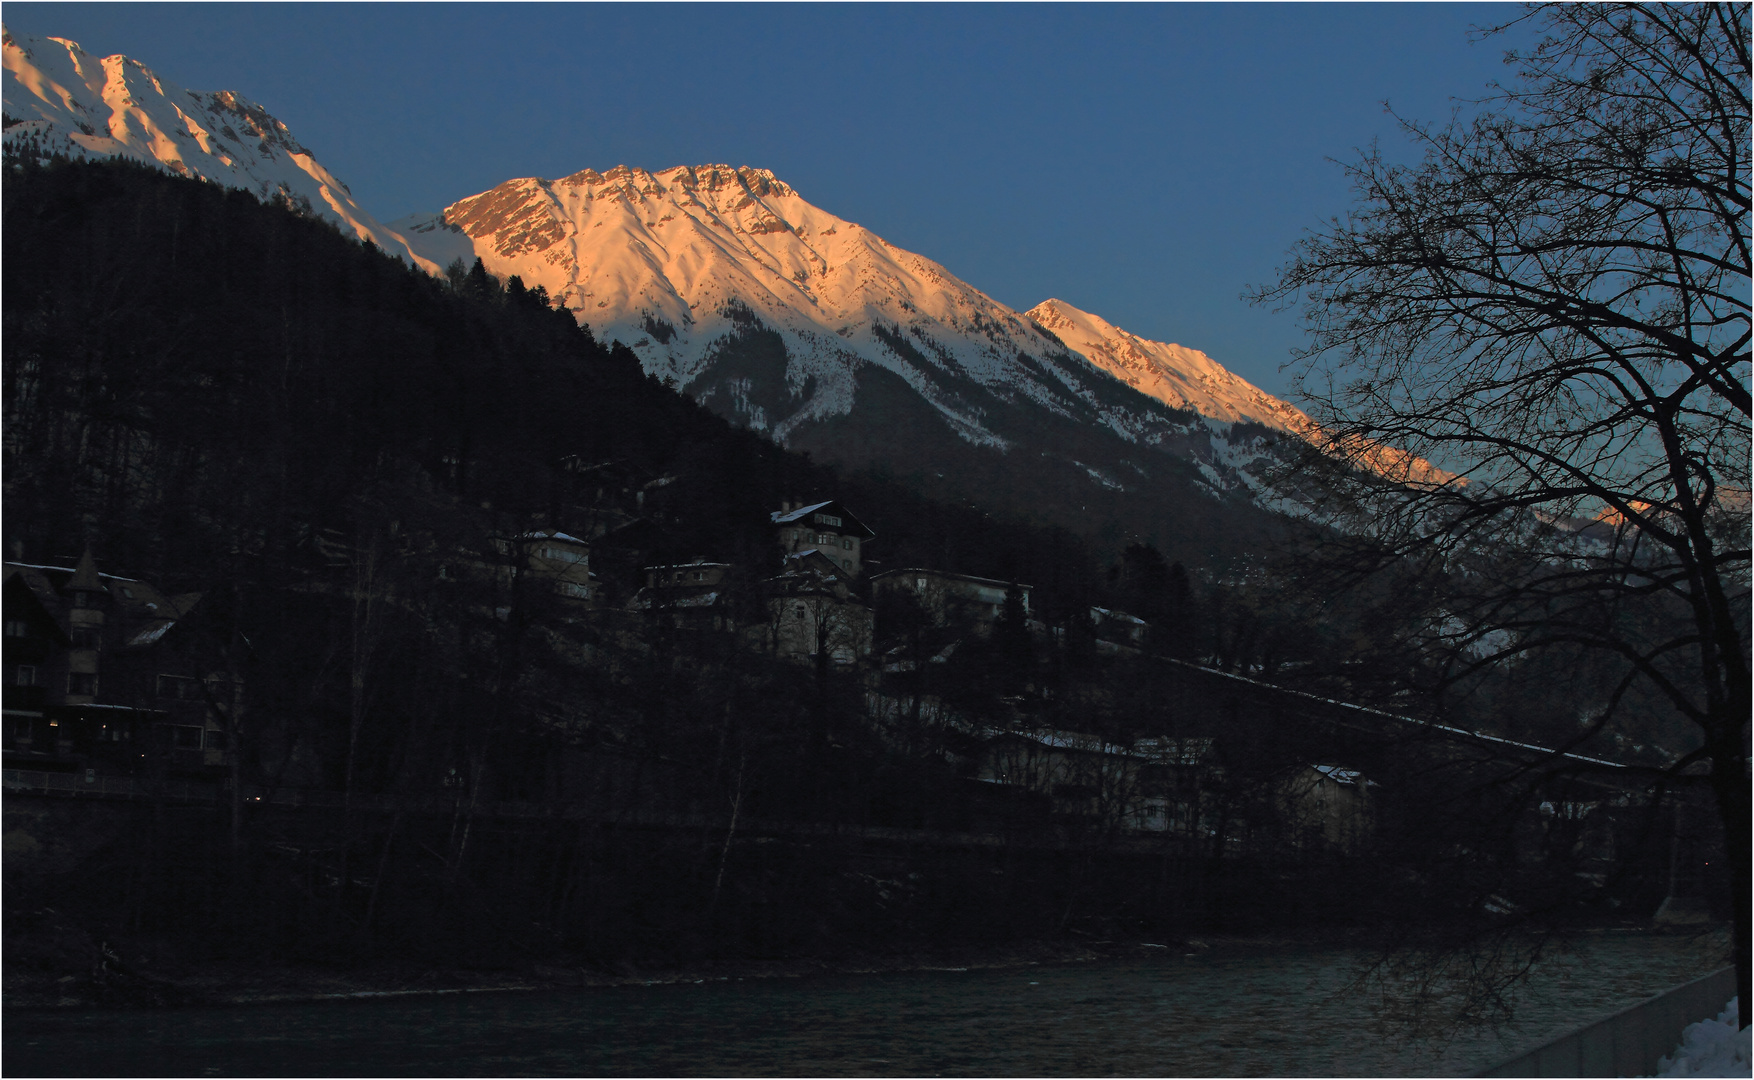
765	308
59	99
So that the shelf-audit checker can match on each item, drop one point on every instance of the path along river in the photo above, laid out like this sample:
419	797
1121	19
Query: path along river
1235	1010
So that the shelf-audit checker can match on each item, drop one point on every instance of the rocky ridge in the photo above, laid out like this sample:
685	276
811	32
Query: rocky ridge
767	309
61	100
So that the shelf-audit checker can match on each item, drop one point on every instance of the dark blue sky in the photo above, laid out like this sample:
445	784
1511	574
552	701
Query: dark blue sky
1144	162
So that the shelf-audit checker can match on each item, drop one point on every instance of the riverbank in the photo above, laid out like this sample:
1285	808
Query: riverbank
1243	1007
61	967
53	963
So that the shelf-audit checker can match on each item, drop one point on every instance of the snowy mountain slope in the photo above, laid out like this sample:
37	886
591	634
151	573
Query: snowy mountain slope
1180	377
1187	378
61	100
766	309
786	318
680	263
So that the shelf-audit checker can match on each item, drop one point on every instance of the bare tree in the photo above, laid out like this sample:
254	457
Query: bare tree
1553	309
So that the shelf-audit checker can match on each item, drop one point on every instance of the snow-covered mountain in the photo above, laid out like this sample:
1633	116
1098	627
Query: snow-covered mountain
682	264
767	309
59	99
786	317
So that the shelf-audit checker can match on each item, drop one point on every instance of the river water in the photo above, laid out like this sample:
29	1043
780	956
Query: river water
1235	1010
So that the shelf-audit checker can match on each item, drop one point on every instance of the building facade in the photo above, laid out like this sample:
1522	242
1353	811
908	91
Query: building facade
826	527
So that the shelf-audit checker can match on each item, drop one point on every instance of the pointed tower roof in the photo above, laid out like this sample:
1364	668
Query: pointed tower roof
85	577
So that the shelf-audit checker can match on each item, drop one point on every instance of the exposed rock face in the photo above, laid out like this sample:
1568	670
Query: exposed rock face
59	99
798	323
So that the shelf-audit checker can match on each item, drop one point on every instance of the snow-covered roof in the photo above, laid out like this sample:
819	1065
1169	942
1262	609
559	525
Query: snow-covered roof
952	576
800	515
781	517
551	534
69	570
707	599
1348	777
150	634
646	599
1118	616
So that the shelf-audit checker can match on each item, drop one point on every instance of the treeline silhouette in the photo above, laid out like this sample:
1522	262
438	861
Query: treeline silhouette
333	448
226	398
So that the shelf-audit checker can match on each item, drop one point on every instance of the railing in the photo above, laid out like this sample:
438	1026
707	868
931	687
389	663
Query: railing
1629	1042
89	783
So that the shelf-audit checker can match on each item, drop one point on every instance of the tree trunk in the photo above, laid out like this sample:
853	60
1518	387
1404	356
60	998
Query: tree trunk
1729	782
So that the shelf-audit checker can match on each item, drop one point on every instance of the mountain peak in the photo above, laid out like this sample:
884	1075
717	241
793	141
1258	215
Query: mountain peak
60	103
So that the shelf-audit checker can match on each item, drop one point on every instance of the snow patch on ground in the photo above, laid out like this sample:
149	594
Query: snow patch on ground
1712	1048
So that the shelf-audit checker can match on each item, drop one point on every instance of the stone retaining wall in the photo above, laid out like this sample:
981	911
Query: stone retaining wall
1630	1042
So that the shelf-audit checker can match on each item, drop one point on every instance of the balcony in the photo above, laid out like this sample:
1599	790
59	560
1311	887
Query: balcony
24	697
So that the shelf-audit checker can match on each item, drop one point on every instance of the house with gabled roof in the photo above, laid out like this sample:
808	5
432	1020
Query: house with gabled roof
562	560
690	595
974	603
827	527
814	613
101	668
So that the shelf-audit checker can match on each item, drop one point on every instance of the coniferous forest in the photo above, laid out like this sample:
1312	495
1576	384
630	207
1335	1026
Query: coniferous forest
334	451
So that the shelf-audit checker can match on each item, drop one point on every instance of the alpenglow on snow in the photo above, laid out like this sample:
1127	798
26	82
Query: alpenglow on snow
61	100
762	306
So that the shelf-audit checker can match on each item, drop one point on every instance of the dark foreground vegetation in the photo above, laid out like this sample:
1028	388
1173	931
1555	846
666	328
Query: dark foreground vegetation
229	400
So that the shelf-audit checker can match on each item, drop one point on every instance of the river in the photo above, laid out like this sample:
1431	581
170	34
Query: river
1234	1010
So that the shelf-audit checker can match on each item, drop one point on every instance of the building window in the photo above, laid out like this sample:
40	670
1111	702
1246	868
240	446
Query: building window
826	539
81	683
87	637
16	628
178	688
27	675
847	543
828	519
215	739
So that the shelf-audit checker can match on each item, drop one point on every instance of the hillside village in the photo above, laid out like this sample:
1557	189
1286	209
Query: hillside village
108	679
455	613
